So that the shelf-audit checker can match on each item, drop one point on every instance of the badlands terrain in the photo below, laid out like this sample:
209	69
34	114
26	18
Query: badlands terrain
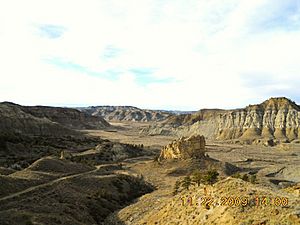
124	165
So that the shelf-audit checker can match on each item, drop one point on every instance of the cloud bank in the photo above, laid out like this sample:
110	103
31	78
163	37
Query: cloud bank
179	54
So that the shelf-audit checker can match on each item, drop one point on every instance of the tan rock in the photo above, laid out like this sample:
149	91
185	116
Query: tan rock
183	148
275	118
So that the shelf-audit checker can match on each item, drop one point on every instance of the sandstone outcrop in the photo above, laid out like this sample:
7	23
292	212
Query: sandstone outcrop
184	148
126	113
275	118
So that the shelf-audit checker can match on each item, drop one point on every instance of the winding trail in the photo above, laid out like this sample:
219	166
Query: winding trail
52	182
33	188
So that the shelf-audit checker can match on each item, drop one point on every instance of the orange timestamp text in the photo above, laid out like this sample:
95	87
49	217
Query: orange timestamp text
234	201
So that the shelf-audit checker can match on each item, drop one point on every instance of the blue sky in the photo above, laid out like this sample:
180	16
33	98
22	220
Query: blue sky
172	54
51	31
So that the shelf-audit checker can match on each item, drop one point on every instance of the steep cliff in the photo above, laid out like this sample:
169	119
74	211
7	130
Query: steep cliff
126	113
275	118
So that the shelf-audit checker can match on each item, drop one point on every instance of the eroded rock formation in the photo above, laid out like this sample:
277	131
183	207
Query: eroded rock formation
126	113
183	148
274	119
277	118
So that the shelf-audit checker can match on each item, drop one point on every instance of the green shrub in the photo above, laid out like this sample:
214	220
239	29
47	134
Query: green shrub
197	177
176	187
245	177
237	175
186	182
211	177
253	178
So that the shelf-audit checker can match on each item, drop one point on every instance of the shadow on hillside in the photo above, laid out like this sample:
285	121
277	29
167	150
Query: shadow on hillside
113	219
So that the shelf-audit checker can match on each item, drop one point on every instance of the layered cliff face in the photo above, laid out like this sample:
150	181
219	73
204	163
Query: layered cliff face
126	113
184	148
276	118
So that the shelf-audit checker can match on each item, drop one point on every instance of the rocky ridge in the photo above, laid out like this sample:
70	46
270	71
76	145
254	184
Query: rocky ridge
44	120
14	120
126	113
28	133
68	117
275	118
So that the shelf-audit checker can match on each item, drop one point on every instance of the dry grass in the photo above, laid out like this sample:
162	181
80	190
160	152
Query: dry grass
129	133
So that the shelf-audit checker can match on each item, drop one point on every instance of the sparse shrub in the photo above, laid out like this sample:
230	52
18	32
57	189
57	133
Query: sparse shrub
186	182
197	177
253	178
176	187
103	193
211	177
245	177
237	175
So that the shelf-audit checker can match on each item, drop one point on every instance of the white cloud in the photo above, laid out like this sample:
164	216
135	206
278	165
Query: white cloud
206	47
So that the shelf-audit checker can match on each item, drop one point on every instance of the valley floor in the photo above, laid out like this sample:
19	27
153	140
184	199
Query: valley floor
276	169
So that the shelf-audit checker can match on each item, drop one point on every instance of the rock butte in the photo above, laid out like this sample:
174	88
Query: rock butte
183	148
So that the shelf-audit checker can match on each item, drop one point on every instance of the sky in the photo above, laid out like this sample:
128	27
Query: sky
157	54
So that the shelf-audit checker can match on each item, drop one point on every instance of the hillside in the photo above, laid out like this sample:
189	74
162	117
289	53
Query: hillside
27	133
14	120
187	192
68	117
118	176
275	118
212	204
126	113
53	191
